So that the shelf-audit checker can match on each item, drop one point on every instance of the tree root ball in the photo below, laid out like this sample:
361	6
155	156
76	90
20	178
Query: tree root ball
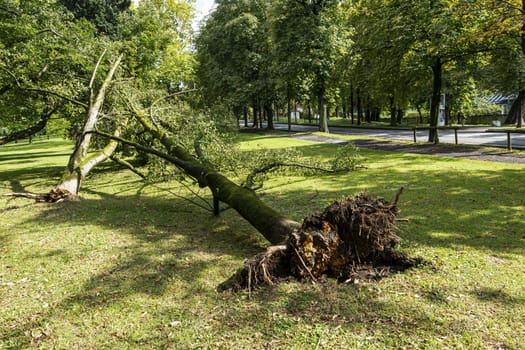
351	240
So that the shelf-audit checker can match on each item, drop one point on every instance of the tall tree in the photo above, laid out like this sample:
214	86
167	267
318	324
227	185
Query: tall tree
304	35
428	39
233	54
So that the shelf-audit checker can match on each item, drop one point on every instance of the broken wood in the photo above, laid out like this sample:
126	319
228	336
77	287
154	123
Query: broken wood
56	195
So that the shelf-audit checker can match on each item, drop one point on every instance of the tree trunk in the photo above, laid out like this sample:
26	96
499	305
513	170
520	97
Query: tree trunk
399	116
517	111
359	107
419	118
80	162
289	113
261	116
323	120
433	135
255	116
393	120
352	104
271	224
72	179
368	114
269	116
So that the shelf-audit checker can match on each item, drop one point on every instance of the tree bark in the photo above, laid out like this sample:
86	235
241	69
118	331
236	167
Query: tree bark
289	112
393	119
352	103
269	115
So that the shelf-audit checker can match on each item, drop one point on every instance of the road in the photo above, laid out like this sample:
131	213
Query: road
466	136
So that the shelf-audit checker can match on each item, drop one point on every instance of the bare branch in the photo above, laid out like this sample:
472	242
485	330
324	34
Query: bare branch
30	130
49	30
91	82
151	110
398	194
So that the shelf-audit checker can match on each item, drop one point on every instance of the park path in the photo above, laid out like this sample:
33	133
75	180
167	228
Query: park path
465	136
458	151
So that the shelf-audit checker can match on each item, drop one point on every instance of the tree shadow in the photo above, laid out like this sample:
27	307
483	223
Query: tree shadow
496	295
172	244
30	173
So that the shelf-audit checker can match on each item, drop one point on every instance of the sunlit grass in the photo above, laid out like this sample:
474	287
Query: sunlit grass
132	266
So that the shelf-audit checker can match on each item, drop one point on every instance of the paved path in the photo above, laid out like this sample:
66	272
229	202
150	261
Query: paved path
466	136
492	155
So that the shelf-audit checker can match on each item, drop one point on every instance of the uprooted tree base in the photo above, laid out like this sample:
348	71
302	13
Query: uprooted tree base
351	240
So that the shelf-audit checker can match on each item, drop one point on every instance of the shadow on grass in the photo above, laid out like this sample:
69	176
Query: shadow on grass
495	295
172	244
27	157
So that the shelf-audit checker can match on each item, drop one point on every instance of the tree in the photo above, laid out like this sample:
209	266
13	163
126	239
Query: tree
102	13
40	64
156	38
331	243
506	69
234	57
305	43
87	96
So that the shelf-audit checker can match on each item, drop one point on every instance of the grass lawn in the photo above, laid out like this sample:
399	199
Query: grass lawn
135	267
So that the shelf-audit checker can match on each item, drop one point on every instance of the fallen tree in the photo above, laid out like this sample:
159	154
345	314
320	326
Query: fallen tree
351	240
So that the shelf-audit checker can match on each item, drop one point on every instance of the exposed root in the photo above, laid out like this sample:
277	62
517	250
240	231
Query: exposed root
56	195
351	240
265	268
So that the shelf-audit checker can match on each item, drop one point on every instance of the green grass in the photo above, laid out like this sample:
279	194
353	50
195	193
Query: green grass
135	267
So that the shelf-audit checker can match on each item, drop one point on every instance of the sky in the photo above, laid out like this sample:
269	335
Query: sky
203	7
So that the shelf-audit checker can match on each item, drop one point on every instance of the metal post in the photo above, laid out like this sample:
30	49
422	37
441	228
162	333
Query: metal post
414	130
509	141
456	135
